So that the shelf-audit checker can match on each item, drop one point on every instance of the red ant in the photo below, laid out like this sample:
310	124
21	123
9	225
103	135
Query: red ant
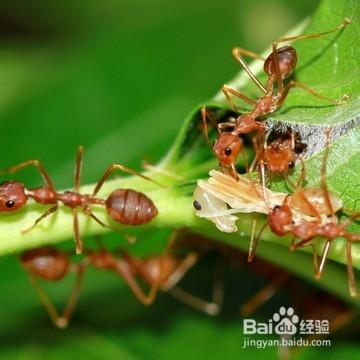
278	157
278	66
162	272
125	206
322	205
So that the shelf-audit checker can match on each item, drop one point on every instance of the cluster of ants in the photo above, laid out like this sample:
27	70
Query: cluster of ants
305	214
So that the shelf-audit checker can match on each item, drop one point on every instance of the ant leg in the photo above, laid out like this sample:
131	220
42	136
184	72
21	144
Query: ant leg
294	246
346	21
259	151
237	55
323	258
149	167
62	320
126	272
252	238
39	167
350	270
294	83
210	308
78	165
315	258
255	242
310	206
115	167
323	176
43	216
90	213
265	294
248	53
234	172
253	164
279	78
129	265
227	90
166	283
78	242
294	186
204	125
130	239
263	181
190	260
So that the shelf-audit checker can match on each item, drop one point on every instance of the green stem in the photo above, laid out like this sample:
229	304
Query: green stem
175	210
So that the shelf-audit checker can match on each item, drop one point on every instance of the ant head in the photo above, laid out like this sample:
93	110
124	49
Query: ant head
12	196
46	263
279	159
279	219
227	148
287	58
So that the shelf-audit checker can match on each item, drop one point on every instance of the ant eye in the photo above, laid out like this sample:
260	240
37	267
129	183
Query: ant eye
228	151
276	208
197	205
10	203
291	164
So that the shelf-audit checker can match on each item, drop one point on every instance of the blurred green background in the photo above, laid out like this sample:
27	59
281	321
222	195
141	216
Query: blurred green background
119	77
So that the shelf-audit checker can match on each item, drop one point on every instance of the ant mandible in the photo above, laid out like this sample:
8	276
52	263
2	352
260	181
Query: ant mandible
278	66
161	272
125	206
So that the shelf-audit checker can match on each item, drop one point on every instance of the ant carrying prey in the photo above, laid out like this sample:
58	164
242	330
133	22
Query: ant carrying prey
321	205
278	66
125	206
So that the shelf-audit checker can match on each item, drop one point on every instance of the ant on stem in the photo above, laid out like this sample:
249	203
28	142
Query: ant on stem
278	66
161	272
125	206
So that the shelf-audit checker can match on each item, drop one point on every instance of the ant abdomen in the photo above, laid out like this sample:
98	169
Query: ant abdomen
287	59
46	263
130	207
